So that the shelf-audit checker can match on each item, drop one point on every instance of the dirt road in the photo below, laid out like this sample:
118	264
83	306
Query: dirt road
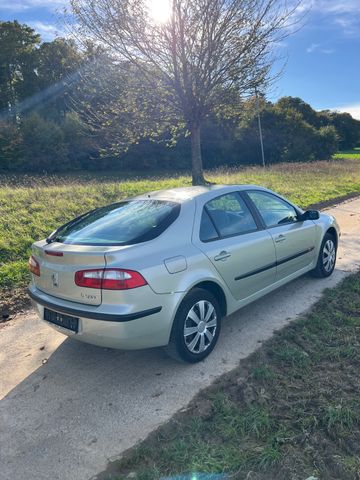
67	408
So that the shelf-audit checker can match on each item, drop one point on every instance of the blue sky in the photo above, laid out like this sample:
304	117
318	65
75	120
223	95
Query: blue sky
323	57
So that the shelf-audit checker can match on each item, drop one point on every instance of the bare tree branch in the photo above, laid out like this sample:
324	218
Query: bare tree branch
198	58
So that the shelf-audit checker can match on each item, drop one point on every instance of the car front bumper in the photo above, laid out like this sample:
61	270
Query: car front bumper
109	326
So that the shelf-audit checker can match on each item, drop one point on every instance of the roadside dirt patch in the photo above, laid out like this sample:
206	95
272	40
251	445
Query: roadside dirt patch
13	303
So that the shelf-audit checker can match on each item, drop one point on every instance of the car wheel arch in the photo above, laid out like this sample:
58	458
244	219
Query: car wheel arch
332	231
216	290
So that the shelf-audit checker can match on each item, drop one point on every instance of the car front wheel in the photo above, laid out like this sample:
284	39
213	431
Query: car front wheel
327	257
196	327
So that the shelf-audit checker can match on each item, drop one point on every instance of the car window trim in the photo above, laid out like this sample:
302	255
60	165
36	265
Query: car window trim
223	237
259	213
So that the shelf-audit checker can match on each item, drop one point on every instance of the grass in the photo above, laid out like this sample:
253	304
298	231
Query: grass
290	411
32	206
352	154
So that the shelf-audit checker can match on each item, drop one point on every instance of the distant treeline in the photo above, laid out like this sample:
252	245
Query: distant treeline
49	110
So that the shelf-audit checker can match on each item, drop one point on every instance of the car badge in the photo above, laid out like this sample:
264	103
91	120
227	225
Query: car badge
55	279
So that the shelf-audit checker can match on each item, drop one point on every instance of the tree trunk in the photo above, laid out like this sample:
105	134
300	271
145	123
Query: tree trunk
197	168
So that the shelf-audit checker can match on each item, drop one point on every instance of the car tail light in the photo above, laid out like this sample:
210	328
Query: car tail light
34	266
109	279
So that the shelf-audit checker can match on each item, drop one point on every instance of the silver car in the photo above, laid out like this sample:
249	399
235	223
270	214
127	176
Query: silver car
163	268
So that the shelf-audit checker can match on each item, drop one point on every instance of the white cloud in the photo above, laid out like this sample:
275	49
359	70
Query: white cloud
341	13
353	109
313	47
21	5
350	25
331	6
316	47
48	31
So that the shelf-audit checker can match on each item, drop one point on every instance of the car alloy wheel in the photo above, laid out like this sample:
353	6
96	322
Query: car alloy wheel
329	255
196	327
200	326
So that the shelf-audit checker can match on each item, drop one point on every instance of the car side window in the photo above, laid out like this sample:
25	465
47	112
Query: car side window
273	210
230	215
207	229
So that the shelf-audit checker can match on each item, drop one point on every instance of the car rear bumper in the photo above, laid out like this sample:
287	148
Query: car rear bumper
111	326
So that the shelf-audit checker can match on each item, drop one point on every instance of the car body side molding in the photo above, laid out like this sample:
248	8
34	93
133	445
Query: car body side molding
275	264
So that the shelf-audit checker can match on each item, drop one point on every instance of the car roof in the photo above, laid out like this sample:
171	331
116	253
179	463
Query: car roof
184	194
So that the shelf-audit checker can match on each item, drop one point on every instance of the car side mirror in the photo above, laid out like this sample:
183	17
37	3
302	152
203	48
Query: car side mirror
309	215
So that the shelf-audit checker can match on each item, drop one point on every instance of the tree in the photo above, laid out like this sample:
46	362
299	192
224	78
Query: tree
11	157
206	51
348	128
295	103
43	144
56	64
18	44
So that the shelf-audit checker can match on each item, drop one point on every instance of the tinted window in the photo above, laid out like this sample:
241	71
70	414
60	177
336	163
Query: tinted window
273	210
231	215
207	229
120	224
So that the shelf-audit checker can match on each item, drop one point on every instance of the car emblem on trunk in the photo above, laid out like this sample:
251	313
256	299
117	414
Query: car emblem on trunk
55	279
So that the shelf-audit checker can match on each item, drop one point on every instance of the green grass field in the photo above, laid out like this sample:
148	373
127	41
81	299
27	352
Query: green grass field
289	411
32	206
354	154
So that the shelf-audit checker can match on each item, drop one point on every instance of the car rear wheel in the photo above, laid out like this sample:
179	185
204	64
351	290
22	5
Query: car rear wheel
327	257
196	327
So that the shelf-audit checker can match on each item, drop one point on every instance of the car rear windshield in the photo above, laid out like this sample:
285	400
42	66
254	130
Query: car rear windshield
124	223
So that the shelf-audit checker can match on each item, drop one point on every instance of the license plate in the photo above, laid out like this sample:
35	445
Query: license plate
65	321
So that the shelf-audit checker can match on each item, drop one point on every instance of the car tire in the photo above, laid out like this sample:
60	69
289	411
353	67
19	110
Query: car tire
327	257
196	327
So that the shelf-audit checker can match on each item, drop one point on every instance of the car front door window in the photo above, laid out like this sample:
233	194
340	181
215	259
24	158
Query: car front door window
273	210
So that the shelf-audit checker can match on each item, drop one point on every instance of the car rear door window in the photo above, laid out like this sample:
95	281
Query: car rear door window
273	210
230	215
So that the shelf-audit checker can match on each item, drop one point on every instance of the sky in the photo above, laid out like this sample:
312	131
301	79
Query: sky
321	58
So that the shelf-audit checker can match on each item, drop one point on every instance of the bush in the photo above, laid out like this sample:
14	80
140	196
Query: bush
11	156
43	145
328	142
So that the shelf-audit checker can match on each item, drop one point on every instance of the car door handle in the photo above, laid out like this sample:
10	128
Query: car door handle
222	256
280	238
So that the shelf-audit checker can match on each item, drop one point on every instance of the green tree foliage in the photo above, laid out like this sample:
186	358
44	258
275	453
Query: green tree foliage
80	144
66	109
10	146
43	144
347	128
57	64
17	50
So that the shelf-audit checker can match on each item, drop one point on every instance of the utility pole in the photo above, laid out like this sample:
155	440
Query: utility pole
260	129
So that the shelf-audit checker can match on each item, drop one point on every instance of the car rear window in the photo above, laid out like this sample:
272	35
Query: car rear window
124	223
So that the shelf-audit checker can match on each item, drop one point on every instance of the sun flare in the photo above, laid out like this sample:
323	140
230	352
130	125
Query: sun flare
159	10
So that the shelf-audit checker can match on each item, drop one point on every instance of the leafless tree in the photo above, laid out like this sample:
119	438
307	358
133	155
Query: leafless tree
204	52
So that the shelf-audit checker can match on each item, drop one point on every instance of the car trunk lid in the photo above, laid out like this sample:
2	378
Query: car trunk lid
58	263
